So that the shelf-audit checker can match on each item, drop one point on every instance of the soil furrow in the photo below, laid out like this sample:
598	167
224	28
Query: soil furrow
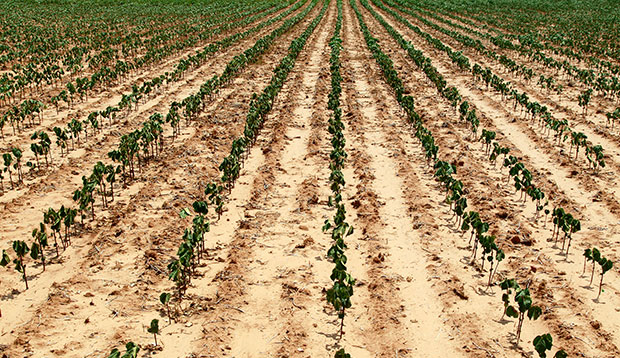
477	180
159	101
401	301
233	104
582	190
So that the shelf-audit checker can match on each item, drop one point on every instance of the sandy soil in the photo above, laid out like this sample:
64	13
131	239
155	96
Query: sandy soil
260	292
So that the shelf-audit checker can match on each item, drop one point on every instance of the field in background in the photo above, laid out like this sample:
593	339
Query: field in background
309	178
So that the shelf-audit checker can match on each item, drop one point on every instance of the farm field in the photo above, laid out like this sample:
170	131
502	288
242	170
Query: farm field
309	178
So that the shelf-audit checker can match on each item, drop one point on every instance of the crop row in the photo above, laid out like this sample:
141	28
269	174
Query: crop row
41	145
537	112
141	145
339	295
108	75
521	304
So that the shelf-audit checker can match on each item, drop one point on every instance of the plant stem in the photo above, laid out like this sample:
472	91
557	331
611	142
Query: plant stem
24	272
341	324
600	287
520	324
584	265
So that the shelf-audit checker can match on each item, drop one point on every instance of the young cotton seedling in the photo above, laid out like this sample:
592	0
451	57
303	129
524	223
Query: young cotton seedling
342	354
543	343
40	236
164	298
154	328
21	250
131	351
593	255
524	305
606	265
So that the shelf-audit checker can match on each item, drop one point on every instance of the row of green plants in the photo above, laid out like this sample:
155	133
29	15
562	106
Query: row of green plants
522	177
41	147
169	41
192	247
594	255
138	147
28	109
613	117
521	306
608	85
22	115
537	112
510	65
225	23
443	173
546	25
562	220
62	225
501	40
183	266
339	295
12	161
35	35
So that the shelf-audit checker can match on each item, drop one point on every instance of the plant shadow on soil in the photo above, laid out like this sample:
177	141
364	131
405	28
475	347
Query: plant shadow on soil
512	338
560	255
335	333
9	296
485	292
503	321
450	226
335	336
466	260
598	300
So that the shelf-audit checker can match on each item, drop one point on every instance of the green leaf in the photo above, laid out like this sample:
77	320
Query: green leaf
596	254
185	213
5	259
342	354
500	255
534	312
201	207
326	226
606	265
20	248
154	328
164	298
560	354
35	251
132	350
512	312
506	298
542	344
115	353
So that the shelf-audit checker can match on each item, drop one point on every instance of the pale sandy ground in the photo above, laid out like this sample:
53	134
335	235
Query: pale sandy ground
260	291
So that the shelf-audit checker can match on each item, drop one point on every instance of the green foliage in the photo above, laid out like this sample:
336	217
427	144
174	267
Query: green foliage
524	305
342	354
154	329
594	255
181	269
544	343
164	299
339	295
